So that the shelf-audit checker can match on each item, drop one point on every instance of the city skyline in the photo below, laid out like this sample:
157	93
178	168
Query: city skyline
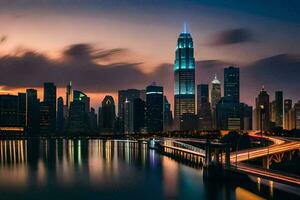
243	43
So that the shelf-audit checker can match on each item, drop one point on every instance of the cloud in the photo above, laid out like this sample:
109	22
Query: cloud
232	36
79	64
3	39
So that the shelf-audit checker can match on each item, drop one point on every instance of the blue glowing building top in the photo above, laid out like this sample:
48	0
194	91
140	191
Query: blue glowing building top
184	72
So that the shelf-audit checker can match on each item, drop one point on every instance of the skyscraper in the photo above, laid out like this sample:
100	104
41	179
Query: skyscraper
232	83
184	76
32	112
203	107
168	118
124	95
215	98
69	95
215	92
139	115
78	115
155	108
108	113
128	116
22	109
279	108
263	110
50	102
297	115
288	105
60	114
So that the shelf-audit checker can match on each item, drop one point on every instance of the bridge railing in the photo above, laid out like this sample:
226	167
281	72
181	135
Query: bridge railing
174	143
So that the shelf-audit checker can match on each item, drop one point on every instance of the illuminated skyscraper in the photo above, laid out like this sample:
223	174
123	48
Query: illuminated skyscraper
184	72
215	92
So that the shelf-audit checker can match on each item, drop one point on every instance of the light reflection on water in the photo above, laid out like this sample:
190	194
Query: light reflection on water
106	169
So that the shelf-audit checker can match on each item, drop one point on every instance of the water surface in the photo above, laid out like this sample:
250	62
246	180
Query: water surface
99	169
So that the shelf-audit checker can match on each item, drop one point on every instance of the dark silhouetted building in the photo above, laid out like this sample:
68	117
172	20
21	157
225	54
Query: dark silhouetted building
108	114
288	105
9	117
232	83
184	77
32	112
48	110
246	117
168	117
130	95
60	115
203	107
92	118
139	116
215	98
128	116
228	114
22	109
279	108
78	115
155	108
263	110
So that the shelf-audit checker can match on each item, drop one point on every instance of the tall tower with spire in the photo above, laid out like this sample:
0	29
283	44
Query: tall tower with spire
215	92
184	75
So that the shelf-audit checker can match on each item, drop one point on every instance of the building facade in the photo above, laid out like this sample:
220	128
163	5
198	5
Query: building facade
184	76
232	83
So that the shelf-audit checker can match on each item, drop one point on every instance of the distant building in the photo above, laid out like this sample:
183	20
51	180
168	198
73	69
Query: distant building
203	107
155	108
69	95
60	114
288	105
78	114
263	110
232	83
168	117
45	119
139	116
48	105
184	77
215	98
128	116
9	118
229	114
108	114
279	108
22	109
128	95
246	117
297	115
92	118
32	112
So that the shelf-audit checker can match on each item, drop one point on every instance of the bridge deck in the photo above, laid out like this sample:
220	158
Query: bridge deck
268	174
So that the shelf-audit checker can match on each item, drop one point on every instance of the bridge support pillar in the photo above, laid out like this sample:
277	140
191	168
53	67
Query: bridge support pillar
227	157
266	162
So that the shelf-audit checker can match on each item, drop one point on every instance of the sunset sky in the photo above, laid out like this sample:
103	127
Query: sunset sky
103	46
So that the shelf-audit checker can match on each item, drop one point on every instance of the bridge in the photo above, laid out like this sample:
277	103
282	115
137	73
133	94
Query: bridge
217	153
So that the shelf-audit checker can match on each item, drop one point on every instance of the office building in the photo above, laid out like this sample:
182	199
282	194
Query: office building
155	108
263	110
184	76
232	83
